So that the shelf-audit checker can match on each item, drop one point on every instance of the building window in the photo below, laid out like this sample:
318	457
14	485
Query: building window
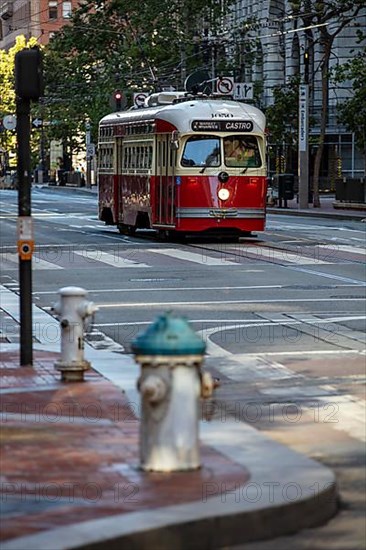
66	10
52	9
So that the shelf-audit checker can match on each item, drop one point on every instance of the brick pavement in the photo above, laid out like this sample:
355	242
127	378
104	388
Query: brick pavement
70	453
70	474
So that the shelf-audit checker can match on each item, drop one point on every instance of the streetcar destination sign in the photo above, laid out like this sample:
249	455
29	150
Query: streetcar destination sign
222	125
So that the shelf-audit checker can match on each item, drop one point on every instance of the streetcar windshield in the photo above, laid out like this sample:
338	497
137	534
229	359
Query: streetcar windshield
242	151
202	151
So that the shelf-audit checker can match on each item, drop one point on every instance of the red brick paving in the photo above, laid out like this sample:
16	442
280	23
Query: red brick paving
70	453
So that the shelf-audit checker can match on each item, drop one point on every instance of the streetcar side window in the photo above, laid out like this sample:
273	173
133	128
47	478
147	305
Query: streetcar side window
201	151
242	152
137	156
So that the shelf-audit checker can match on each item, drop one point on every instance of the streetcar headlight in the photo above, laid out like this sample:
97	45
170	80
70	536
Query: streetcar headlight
223	194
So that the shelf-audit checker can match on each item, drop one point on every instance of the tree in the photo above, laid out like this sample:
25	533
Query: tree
330	19
282	119
7	97
117	45
352	112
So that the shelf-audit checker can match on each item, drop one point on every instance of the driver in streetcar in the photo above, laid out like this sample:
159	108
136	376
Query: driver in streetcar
239	153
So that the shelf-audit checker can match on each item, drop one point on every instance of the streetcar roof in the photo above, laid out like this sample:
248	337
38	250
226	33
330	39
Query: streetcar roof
182	114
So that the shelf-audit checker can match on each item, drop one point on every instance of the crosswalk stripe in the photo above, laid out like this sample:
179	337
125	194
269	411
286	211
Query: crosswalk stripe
111	259
37	263
344	248
269	254
200	258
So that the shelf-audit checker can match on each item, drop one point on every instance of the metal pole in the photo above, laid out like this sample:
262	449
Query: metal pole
213	59
88	156
303	170
25	233
303	146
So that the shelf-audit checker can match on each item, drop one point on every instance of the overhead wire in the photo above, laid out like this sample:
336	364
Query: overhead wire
166	68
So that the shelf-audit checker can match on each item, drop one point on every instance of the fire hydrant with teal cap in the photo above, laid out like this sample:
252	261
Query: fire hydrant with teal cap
171	383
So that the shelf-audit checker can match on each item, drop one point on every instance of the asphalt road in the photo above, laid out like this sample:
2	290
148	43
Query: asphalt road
283	316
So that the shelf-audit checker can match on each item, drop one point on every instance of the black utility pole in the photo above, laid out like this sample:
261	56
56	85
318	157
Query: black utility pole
28	86
25	232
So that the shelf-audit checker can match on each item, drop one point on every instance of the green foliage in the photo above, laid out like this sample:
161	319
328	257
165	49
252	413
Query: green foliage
282	116
7	97
352	112
118	45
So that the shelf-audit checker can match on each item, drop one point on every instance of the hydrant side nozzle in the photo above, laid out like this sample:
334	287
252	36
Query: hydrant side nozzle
153	388
207	385
64	323
87	309
56	308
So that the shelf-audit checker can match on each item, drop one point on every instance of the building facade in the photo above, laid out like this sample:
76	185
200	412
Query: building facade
274	43
32	18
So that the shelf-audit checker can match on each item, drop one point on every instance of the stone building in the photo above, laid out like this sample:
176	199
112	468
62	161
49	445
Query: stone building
277	41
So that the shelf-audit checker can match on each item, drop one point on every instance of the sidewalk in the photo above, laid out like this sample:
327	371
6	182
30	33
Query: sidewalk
70	467
329	208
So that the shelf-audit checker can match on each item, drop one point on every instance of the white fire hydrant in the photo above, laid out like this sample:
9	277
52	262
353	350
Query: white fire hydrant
171	383
73	311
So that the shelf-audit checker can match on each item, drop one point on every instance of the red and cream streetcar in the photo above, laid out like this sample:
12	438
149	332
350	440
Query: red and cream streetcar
183	164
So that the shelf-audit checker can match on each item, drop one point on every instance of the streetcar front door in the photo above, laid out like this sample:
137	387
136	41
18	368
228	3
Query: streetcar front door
164	201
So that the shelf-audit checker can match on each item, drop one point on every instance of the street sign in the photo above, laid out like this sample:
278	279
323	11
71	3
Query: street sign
225	85
10	122
139	99
243	90
303	116
90	150
37	122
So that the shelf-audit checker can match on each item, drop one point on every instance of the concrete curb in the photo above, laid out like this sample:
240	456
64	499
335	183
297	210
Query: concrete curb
286	491
67	188
314	213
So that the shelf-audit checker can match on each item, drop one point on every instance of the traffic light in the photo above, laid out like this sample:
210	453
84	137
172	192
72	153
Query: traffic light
29	73
118	100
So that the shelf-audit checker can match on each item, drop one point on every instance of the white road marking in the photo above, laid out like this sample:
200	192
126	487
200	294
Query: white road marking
223	302
344	412
329	276
345	248
201	259
110	259
175	289
37	263
269	254
246	323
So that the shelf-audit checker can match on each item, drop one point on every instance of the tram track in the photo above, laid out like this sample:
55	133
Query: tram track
246	247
